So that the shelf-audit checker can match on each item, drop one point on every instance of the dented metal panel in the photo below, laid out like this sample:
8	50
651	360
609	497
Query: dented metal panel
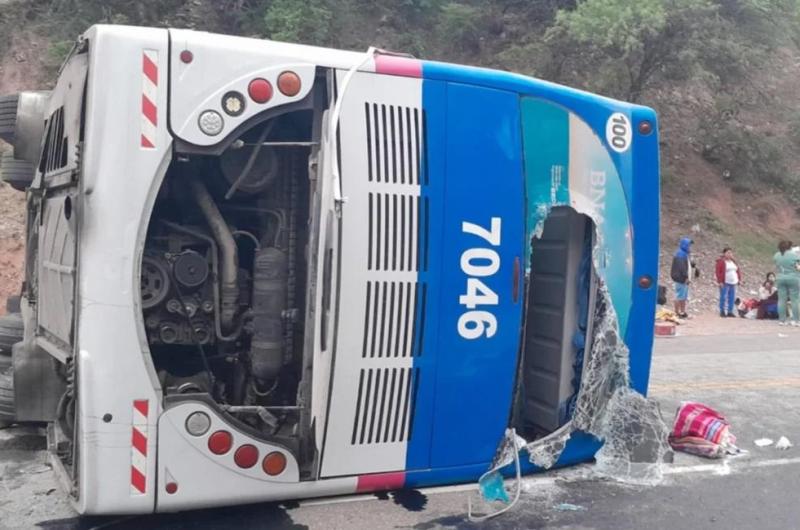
56	301
60	158
59	168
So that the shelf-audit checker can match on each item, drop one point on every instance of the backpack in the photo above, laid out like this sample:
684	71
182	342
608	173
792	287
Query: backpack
662	295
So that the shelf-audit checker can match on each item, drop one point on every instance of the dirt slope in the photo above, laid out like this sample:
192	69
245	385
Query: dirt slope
20	68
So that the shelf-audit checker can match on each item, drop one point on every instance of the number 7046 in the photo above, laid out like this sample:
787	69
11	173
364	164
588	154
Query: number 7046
476	263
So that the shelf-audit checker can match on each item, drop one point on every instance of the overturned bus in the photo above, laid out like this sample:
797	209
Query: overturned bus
262	271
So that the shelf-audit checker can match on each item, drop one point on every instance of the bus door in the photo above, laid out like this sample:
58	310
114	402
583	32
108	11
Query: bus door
477	270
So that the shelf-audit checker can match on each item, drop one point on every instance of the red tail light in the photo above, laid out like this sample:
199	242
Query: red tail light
259	90
220	442
246	456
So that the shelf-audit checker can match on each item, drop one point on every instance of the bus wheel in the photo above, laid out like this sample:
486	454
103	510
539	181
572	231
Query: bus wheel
10	332
16	173
8	117
7	412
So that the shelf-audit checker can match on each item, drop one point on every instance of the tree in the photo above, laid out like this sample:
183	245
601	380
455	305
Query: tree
304	21
622	44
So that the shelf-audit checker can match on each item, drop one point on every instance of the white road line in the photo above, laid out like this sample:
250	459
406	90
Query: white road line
727	466
574	474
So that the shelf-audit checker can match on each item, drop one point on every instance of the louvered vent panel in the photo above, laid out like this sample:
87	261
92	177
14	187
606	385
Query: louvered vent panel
56	147
394	320
384	412
395	138
398	232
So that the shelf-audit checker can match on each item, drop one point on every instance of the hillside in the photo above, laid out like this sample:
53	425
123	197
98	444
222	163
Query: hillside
721	74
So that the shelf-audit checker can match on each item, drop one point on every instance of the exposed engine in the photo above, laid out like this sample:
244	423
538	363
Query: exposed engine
177	294
223	274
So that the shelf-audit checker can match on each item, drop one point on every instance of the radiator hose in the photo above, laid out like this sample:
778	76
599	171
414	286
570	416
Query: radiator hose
229	258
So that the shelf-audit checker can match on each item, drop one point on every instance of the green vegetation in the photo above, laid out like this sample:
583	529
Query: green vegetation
709	54
625	45
309	22
753	246
748	157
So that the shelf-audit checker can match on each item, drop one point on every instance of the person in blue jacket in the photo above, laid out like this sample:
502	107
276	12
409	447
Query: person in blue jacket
682	272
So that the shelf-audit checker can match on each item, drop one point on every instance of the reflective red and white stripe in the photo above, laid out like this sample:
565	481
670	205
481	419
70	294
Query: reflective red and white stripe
139	447
149	98
381	482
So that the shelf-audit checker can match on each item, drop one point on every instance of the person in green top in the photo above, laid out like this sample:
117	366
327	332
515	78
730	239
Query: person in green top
787	262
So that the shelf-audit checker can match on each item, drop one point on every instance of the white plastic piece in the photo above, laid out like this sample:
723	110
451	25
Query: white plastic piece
334	124
763	442
569	507
783	443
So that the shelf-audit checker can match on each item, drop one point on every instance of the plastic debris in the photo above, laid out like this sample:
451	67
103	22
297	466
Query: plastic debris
491	484
568	507
667	315
492	487
783	443
701	430
763	442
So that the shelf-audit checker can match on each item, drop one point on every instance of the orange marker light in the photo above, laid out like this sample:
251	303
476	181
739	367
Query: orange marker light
289	83
274	463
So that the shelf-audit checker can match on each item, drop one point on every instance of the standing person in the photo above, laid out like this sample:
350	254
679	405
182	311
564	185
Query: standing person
788	281
681	272
729	275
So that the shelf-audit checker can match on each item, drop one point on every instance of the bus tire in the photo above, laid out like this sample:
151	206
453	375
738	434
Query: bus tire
8	117
11	329
13	304
7	412
16	173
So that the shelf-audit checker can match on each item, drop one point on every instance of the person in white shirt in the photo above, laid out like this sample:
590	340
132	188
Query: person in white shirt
729	276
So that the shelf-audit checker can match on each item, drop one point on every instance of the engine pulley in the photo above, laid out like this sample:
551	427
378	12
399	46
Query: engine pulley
154	283
190	269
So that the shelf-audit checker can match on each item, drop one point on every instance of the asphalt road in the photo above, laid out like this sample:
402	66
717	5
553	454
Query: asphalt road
754	380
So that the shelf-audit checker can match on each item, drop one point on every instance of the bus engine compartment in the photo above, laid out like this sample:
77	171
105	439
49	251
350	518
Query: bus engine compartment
223	274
